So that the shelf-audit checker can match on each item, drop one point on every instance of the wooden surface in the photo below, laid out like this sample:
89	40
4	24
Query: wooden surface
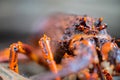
6	74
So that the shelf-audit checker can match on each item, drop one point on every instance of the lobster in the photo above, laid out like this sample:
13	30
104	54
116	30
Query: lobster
80	44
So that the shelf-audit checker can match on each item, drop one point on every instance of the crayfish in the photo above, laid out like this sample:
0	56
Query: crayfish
81	45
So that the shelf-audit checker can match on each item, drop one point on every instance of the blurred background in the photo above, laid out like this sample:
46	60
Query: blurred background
18	17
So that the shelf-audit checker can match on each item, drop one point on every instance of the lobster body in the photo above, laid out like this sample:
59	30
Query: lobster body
62	28
67	32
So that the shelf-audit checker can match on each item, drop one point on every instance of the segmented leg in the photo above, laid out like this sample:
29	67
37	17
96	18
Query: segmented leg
16	48
47	53
13	65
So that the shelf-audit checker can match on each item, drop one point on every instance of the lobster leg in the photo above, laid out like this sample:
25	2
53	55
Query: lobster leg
48	55
19	47
13	65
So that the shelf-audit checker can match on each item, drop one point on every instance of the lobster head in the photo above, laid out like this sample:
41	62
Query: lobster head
90	25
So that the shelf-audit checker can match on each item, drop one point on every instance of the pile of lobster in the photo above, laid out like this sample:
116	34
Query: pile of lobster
72	44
